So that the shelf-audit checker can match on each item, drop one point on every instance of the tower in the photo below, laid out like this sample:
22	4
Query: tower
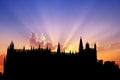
81	46
58	49
87	46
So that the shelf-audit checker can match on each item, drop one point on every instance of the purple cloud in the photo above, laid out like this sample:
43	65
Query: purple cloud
36	41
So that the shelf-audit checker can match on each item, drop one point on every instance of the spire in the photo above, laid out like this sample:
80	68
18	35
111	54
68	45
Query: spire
81	45
95	46
58	49
95	51
11	45
31	48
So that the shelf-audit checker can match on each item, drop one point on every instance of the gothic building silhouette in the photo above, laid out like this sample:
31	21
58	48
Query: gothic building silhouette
20	64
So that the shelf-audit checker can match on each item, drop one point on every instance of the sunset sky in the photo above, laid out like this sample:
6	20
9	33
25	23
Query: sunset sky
28	22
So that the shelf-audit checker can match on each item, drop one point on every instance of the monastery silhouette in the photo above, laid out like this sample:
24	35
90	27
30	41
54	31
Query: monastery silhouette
37	64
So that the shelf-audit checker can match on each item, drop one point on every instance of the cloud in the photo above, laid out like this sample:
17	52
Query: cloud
110	46
35	41
100	48
115	45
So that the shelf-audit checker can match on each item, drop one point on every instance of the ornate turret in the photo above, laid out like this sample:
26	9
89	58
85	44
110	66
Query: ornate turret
87	46
11	45
10	49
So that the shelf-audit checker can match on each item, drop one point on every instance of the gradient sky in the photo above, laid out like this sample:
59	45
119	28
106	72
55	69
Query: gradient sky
64	21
